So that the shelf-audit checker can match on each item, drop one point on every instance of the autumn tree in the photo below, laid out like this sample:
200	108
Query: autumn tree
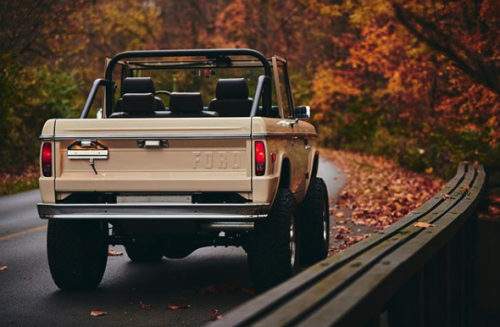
414	80
32	86
401	91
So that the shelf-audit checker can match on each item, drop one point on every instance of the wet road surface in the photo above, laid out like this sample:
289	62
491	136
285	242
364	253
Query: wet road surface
210	278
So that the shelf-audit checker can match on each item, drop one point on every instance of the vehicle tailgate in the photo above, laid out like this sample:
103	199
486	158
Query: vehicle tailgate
155	155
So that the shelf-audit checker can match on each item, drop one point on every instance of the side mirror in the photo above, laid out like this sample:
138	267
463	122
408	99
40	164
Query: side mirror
302	112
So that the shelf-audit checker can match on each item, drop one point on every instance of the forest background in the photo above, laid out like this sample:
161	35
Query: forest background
416	81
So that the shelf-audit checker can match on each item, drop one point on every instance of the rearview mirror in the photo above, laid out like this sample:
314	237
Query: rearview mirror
302	112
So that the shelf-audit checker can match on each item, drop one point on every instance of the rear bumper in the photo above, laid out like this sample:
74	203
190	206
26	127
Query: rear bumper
241	212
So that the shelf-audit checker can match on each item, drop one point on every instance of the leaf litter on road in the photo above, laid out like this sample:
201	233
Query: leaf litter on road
378	193
2	268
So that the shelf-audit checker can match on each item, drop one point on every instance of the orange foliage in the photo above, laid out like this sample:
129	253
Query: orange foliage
426	73
392	77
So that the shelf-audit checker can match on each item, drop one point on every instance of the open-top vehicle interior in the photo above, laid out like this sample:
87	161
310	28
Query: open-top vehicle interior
195	84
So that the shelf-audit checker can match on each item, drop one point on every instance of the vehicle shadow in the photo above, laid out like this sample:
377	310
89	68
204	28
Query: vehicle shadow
141	293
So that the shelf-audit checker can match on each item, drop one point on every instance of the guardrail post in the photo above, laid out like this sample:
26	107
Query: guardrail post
436	288
458	279
374	322
470	258
405	309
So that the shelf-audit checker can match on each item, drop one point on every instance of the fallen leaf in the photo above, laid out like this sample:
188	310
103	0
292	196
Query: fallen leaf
98	313
27	278
113	253
422	224
215	315
350	240
446	196
339	215
466	189
2	268
145	306
178	307
173	307
342	229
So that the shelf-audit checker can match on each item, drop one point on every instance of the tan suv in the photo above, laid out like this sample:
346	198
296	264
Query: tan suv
191	148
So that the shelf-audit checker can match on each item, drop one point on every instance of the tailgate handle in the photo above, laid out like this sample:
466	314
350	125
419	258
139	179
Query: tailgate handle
152	143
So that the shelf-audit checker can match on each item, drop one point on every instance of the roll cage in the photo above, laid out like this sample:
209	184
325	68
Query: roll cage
211	58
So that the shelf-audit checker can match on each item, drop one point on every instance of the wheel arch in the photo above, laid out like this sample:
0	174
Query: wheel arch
285	173
315	165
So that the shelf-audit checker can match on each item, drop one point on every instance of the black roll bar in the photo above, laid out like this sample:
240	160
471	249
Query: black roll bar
187	53
93	92
261	83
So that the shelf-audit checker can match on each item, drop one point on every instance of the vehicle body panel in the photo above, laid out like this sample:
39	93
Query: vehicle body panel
195	157
163	157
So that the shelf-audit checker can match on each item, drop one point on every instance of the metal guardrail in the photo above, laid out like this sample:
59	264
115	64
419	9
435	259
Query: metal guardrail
404	275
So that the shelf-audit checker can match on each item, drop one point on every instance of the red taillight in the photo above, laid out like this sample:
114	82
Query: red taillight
47	160
260	158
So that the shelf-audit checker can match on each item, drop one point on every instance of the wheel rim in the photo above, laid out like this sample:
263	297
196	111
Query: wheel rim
326	218
292	241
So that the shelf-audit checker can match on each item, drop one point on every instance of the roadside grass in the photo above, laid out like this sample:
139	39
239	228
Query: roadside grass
11	184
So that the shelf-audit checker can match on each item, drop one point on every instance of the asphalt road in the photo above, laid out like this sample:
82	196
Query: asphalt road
210	278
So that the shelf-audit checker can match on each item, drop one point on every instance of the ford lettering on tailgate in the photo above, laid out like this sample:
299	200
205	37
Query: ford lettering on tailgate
217	160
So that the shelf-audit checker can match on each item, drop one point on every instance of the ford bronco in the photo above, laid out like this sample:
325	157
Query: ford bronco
191	148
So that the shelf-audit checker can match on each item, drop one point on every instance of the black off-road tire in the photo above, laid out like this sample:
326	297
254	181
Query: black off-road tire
273	250
144	252
315	223
77	252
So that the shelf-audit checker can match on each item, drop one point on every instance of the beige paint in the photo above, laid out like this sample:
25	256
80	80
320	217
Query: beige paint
47	183
203	155
286	142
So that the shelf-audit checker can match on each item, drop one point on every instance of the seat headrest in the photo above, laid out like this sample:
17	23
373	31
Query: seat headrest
138	85
231	89
186	102
138	103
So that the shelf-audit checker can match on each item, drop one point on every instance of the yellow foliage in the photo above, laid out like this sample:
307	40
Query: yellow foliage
329	86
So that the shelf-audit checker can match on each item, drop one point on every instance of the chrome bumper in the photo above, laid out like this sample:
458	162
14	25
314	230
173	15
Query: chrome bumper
227	212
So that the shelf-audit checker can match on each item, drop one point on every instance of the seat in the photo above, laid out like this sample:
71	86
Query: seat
138	85
231	98
136	105
188	104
